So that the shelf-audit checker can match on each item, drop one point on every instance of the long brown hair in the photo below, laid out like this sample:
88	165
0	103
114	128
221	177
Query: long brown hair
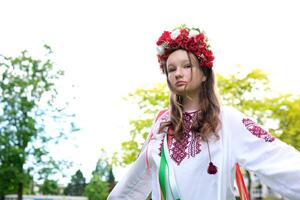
207	121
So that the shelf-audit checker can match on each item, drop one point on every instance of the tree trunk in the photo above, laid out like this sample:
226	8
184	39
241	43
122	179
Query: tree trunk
20	191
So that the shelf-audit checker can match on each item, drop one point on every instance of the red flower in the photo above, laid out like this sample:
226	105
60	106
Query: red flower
209	65
184	32
174	44
196	45
191	44
200	37
208	53
165	37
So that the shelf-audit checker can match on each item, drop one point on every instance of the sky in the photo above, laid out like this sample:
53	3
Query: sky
107	49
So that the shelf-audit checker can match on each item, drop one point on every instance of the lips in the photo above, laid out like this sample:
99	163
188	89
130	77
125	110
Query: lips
179	83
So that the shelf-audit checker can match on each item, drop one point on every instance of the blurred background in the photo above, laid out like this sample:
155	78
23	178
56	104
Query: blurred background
80	84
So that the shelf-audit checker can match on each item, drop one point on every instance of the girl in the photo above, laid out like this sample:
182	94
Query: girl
194	146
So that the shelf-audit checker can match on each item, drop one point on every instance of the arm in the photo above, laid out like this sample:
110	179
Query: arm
276	163
136	184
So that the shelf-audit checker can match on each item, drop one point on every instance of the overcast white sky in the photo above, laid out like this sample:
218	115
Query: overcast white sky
107	49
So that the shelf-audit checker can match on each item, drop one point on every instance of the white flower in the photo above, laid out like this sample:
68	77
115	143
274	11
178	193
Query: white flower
160	50
193	33
175	34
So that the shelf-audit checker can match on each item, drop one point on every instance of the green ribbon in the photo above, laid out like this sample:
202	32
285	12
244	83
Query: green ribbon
164	165
162	174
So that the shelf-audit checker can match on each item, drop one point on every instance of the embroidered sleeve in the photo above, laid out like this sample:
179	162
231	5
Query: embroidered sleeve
257	130
276	163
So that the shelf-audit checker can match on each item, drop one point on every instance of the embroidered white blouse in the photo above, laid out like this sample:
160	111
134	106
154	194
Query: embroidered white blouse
241	141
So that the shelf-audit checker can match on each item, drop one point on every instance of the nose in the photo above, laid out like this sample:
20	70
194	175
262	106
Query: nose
178	73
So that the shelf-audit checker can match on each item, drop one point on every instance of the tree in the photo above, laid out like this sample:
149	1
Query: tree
149	101
76	186
247	91
97	189
99	185
111	178
250	92
27	100
285	111
50	187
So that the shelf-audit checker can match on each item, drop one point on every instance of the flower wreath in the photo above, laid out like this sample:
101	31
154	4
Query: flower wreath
190	39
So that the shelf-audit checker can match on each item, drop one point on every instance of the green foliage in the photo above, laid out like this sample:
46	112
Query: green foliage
130	150
247	91
240	87
286	111
149	101
97	189
101	170
50	187
76	186
250	93
111	177
27	87
101	182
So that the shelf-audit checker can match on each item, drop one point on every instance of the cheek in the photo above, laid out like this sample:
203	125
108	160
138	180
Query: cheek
188	73
199	82
196	81
171	77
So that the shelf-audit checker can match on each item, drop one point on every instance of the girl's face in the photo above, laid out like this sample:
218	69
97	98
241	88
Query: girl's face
184	77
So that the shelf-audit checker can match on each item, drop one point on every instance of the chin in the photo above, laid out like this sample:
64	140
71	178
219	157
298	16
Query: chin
180	92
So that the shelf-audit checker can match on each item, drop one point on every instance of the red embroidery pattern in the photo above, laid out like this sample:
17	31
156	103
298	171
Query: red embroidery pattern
189	145
257	130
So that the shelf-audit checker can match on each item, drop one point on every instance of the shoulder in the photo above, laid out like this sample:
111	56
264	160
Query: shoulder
232	115
237	120
162	115
229	111
228	108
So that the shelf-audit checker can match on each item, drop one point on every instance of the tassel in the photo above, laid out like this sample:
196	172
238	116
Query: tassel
212	169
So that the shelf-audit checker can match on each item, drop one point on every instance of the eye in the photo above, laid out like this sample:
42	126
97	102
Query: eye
187	66
171	69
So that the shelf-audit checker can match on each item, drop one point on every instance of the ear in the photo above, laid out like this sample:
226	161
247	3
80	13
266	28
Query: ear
203	78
